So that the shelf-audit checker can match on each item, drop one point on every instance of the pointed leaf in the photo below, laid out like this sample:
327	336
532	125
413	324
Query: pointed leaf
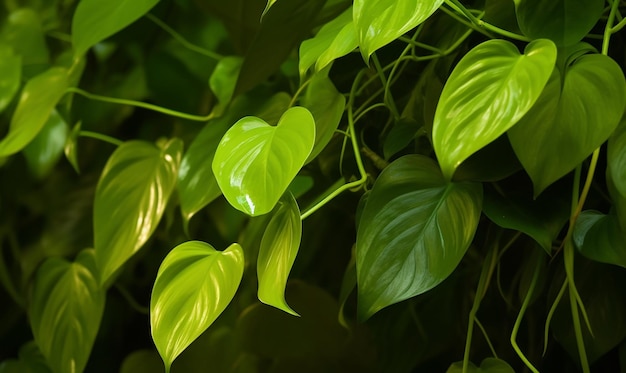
126	213
96	20
66	310
379	22
39	97
414	230
43	153
71	147
279	247
10	75
563	21
577	111
490	89
255	162
224	78
335	39
599	237
194	285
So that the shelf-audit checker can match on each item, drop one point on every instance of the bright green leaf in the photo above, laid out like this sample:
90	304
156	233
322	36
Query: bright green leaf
279	247
575	114
224	78
490	89
194	285
71	147
66	309
10	74
46	149
327	106
335	39
255	162
269	4
96	20
489	365
379	22
414	230
563	21
126	213
39	97
599	237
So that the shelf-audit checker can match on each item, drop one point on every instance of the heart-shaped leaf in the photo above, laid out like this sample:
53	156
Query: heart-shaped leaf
255	162
577	111
40	95
194	285
10	74
379	22
279	247
490	89
413	232
96	20
66	310
126	214
599	237
46	149
563	21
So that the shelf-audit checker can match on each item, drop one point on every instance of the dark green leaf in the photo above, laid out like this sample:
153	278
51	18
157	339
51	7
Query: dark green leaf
96	20
10	74
616	158
576	113
65	312
380	22
142	361
400	136
279	247
39	97
224	78
43	153
490	89
599	237
194	285
126	213
563	21
413	232
255	162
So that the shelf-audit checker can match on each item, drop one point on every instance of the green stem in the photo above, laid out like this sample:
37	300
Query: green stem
608	29
480	24
99	136
573	301
299	92
184	42
482	329
555	304
387	96
143	105
131	301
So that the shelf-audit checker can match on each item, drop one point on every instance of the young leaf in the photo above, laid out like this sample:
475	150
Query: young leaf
66	310
279	247
224	78
379	22
44	151
194	285
126	214
10	74
414	230
335	39
96	20
255	162
490	89
577	111
40	95
563	21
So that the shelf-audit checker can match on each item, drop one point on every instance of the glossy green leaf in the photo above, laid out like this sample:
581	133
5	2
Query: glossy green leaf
327	106
194	285
279	247
414	231
379	22
10	75
224	78
96	20
39	97
599	237
400	136
490	89
131	196
576	113
43	153
23	31
71	147
255	162
489	365
335	39
65	312
269	4
563	21
616	157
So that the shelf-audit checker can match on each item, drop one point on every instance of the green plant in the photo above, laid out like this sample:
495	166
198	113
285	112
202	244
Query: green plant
384	175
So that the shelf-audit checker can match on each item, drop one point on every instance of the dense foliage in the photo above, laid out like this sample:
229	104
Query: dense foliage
312	186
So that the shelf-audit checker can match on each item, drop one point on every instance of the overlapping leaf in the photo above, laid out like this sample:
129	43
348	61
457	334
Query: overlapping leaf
132	193
47	147
40	95
379	22
414	230
224	78
577	112
10	74
255	162
194	285
599	237
279	247
66	310
490	89
96	20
